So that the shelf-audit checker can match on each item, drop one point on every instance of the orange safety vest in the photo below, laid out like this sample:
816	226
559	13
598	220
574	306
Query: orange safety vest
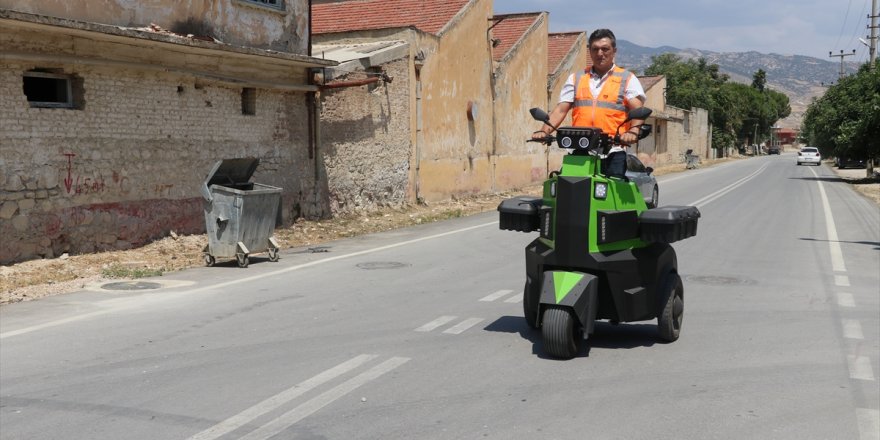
609	109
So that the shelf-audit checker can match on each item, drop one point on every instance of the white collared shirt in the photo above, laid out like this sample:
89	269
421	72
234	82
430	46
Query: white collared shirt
633	87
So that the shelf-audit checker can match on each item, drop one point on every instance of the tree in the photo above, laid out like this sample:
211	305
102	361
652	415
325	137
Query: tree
736	111
845	121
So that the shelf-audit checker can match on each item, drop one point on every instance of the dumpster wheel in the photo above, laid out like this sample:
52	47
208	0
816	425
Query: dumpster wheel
242	260
209	260
273	255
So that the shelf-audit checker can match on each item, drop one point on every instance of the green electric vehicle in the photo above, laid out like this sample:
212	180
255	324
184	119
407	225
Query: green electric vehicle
601	253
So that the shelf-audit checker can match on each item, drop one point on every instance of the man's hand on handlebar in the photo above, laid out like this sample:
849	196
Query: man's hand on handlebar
628	138
541	136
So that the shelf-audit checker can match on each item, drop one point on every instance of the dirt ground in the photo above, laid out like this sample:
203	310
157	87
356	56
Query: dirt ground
38	278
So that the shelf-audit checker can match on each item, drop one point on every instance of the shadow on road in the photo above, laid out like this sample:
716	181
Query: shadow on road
869	243
605	335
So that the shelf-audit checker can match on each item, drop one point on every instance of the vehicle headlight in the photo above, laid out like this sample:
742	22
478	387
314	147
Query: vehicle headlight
601	190
584	143
565	142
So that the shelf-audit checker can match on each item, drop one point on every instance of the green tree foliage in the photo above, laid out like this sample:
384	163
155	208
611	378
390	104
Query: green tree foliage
845	121
737	111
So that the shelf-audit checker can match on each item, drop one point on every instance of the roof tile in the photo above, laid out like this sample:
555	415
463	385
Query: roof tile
509	29
356	15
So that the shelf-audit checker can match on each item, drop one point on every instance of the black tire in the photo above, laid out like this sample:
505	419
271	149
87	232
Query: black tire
560	332
530	306
242	260
655	197
209	260
672	314
273	255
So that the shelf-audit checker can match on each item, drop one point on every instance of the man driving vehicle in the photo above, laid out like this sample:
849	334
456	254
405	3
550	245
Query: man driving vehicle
601	97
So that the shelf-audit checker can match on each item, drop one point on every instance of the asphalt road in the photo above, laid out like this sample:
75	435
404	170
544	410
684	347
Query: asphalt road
418	334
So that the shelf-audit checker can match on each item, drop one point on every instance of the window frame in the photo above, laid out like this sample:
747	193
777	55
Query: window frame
68	82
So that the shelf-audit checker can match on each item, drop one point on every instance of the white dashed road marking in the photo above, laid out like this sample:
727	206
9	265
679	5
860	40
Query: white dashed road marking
436	323
841	280
869	424
496	295
860	367
462	326
845	299
852	329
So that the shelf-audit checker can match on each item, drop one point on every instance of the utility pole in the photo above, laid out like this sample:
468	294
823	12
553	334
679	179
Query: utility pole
872	48
841	58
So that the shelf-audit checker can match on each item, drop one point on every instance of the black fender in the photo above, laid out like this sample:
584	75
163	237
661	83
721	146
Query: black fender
577	290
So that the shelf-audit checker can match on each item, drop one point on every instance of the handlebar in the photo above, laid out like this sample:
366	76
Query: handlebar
584	140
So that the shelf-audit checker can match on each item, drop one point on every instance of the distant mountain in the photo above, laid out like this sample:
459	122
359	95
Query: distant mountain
800	77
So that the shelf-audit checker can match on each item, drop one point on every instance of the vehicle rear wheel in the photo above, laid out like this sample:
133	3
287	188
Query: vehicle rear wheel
655	197
560	332
669	321
530	306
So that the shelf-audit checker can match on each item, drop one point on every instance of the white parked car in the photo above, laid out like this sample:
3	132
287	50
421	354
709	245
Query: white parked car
809	155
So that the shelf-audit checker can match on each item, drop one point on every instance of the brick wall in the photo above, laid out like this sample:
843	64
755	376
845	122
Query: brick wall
126	166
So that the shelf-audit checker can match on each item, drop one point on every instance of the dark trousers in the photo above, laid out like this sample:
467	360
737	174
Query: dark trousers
614	165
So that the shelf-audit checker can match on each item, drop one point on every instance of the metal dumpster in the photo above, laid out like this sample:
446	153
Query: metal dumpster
239	215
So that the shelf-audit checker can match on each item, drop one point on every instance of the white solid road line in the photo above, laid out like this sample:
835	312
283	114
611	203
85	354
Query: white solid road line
462	326
836	253
717	194
279	399
212	287
308	408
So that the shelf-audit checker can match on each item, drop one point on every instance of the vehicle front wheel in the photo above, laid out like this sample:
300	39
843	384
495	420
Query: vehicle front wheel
655	197
560	332
669	321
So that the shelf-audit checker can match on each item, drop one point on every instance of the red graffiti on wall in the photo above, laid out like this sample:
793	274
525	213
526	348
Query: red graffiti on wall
69	180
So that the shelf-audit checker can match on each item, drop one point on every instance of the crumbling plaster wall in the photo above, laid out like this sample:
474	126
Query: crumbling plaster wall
520	84
366	142
455	153
235	22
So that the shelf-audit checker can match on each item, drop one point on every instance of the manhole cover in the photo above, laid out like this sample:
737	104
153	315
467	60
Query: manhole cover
717	280
375	265
131	285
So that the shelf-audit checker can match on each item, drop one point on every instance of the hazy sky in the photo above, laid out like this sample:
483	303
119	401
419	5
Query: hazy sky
787	27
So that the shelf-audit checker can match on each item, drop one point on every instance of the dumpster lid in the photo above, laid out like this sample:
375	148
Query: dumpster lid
232	171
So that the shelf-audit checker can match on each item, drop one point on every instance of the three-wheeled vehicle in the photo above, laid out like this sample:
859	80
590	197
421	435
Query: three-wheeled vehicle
601	253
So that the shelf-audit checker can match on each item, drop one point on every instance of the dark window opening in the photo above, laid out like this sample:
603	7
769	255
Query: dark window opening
277	4
52	90
248	101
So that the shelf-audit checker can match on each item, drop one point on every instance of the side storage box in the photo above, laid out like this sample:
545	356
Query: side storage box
668	224
520	214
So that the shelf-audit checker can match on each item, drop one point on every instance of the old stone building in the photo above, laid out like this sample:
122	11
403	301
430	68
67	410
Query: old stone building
111	115
464	84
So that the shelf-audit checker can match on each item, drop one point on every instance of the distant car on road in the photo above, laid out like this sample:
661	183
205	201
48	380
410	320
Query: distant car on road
849	162
773	150
809	155
641	175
